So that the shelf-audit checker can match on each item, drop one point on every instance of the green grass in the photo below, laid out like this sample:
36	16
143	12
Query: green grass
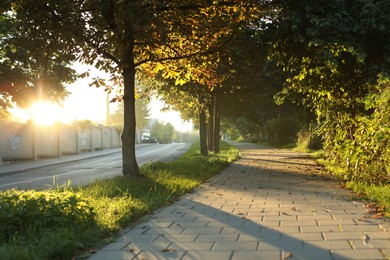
62	223
377	194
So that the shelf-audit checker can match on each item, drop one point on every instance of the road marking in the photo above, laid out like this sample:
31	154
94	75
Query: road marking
92	168
56	175
153	151
42	178
110	163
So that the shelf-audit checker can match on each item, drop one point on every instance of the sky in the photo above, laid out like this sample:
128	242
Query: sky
86	102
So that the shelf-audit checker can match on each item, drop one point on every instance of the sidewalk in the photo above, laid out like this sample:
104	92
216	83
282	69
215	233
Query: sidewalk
270	204
22	166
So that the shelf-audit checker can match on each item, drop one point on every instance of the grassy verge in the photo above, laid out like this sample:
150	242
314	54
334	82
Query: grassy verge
378	195
61	223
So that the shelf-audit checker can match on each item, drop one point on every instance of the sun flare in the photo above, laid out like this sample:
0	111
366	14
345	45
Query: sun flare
46	113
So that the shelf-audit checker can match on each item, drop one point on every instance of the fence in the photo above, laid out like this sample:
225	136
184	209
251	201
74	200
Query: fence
29	141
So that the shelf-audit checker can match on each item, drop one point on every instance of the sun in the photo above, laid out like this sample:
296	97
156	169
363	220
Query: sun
47	113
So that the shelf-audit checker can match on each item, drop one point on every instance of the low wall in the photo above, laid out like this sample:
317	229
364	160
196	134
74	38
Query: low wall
16	140
69	139
29	141
48	141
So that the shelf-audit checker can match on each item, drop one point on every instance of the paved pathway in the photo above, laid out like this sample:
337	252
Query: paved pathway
270	204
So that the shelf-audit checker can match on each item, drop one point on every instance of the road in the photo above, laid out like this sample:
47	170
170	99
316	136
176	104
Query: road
85	171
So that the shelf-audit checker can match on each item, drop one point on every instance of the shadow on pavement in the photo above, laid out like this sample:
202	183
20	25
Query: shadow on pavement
258	209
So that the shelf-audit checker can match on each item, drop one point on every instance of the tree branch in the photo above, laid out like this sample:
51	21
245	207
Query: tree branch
194	6
58	19
190	55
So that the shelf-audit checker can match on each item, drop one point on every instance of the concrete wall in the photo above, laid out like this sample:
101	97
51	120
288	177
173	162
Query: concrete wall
97	138
48	141
28	141
116	138
16	141
107	137
84	138
69	140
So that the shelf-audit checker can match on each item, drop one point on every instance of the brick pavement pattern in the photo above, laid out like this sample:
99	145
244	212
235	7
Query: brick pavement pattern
270	204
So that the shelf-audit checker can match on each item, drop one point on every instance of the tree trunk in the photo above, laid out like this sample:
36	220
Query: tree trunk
210	136
217	120
202	133
130	165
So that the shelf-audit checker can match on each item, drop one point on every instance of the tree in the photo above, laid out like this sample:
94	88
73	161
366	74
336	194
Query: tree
330	51
121	36
142	113
191	100
38	71
336	58
163	132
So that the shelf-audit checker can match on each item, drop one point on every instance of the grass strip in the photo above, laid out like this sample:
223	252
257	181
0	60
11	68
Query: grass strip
62	223
379	195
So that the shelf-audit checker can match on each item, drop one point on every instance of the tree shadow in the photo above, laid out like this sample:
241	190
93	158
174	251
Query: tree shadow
252	210
194	230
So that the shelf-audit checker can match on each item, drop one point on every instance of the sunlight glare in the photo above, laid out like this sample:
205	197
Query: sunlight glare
46	113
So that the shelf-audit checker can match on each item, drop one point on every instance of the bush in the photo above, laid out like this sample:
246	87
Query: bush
308	139
379	194
45	224
281	131
359	144
22	211
58	224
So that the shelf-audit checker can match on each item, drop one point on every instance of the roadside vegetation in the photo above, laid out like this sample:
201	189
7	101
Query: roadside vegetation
64	222
368	182
376	194
326	80
259	71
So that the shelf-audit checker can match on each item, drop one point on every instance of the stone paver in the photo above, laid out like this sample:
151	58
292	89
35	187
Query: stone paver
270	204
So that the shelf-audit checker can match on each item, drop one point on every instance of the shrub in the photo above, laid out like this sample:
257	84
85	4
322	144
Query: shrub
58	224
359	144
281	131
309	139
23	211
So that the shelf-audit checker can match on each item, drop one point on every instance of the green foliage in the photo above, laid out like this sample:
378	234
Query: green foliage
113	212
44	224
58	224
335	55
360	145
378	194
189	137
164	132
142	112
130	36
30	72
308	139
57	243
251	83
281	131
20	211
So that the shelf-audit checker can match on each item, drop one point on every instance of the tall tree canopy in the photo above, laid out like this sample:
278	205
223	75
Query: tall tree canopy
120	36
336	56
30	70
331	51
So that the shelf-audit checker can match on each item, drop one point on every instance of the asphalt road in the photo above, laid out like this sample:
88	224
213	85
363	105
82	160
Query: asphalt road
85	171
